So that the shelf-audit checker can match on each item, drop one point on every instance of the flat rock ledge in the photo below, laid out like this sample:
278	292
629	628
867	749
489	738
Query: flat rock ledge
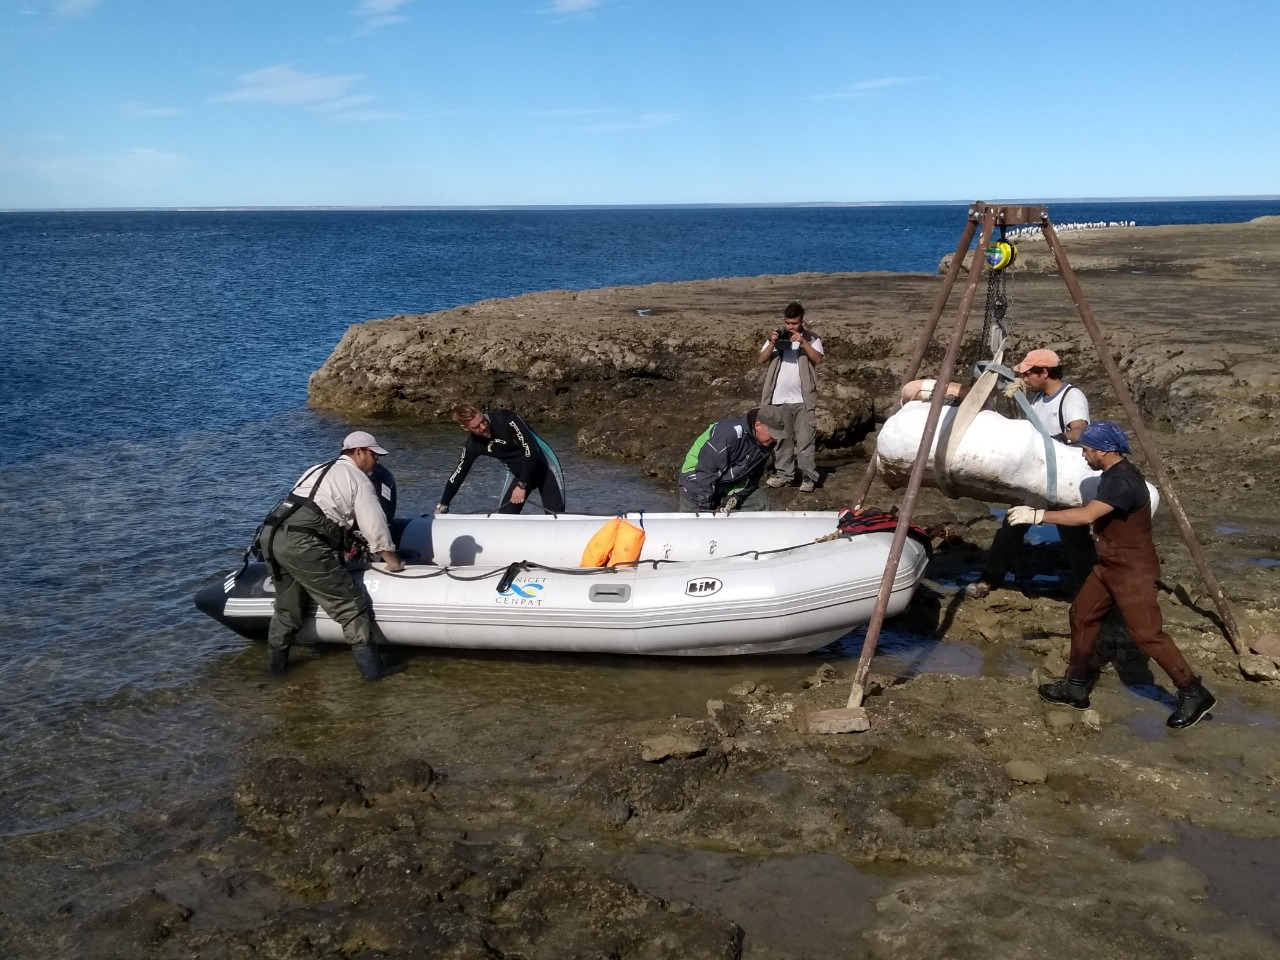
1188	313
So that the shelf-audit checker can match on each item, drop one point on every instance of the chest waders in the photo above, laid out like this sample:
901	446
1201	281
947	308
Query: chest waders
324	579
324	529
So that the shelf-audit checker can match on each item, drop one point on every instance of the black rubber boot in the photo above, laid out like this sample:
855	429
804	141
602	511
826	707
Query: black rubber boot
277	660
1194	703
1067	692
370	663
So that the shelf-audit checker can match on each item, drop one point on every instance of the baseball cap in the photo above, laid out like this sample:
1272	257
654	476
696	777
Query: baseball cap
1038	358
360	439
771	418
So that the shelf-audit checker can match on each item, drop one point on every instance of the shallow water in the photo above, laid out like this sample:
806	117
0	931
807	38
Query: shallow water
1240	871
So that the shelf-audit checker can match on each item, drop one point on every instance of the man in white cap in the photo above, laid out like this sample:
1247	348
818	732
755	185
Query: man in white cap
1063	410
303	541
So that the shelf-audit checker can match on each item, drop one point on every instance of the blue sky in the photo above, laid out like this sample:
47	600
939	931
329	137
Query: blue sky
161	103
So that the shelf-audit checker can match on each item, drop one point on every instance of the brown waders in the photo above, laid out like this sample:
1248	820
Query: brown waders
1125	577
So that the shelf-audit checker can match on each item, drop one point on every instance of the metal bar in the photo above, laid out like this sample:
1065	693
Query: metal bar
918	468
1009	216
1154	462
926	336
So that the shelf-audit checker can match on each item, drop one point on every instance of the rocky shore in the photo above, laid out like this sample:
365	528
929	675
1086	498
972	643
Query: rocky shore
971	821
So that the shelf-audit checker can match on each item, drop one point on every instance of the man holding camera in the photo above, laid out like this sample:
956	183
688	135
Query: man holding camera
792	353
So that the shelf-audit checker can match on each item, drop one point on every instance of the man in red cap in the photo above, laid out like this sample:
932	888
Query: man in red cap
1063	411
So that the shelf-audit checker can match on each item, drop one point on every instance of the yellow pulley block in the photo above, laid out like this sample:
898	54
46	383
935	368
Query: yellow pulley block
1001	254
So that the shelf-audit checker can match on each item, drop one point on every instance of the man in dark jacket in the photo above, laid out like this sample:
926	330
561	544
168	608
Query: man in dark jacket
722	469
504	435
1124	577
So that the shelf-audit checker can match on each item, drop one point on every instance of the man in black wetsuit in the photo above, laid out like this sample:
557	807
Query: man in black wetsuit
503	434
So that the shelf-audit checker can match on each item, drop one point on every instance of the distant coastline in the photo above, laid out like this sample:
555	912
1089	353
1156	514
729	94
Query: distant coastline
801	205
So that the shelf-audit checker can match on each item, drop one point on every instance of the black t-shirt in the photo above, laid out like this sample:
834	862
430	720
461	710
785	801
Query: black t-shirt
1123	488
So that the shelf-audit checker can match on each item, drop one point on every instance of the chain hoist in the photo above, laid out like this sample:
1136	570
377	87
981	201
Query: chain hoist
1000	256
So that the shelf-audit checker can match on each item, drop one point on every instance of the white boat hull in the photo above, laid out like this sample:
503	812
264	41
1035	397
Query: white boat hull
705	585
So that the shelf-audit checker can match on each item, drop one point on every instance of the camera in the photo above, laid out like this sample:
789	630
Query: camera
784	336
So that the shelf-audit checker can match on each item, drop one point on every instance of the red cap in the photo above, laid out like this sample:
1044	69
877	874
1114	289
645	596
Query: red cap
1038	358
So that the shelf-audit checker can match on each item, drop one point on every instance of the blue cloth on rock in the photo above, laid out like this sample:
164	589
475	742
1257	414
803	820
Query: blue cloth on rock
1106	436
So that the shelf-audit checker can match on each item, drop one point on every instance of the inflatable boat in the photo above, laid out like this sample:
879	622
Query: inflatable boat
996	460
704	585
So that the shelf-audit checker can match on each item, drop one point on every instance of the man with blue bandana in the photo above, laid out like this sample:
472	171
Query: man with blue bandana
1124	577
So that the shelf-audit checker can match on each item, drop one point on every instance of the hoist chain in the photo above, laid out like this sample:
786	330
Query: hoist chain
995	327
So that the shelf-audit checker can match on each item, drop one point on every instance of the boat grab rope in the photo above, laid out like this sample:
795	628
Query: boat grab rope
508	574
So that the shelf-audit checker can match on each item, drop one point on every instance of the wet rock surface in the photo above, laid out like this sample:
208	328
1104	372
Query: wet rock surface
965	822
1188	313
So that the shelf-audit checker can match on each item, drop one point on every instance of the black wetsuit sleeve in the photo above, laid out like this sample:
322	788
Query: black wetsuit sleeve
472	449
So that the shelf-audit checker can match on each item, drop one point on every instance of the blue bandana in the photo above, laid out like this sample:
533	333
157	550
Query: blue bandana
1105	436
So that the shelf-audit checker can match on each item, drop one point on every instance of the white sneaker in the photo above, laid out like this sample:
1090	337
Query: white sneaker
806	486
776	481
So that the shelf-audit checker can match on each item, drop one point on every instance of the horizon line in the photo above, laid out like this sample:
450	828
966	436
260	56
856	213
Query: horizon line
231	208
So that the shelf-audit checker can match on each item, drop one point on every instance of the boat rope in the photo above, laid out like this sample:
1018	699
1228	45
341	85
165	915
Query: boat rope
506	575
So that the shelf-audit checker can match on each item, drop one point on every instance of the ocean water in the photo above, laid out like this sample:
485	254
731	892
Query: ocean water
153	389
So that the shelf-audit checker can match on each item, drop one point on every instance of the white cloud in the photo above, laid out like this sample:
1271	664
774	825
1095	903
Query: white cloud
646	121
365	116
573	6
865	88
73	8
352	110
142	111
343	104
283	86
572	112
375	14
